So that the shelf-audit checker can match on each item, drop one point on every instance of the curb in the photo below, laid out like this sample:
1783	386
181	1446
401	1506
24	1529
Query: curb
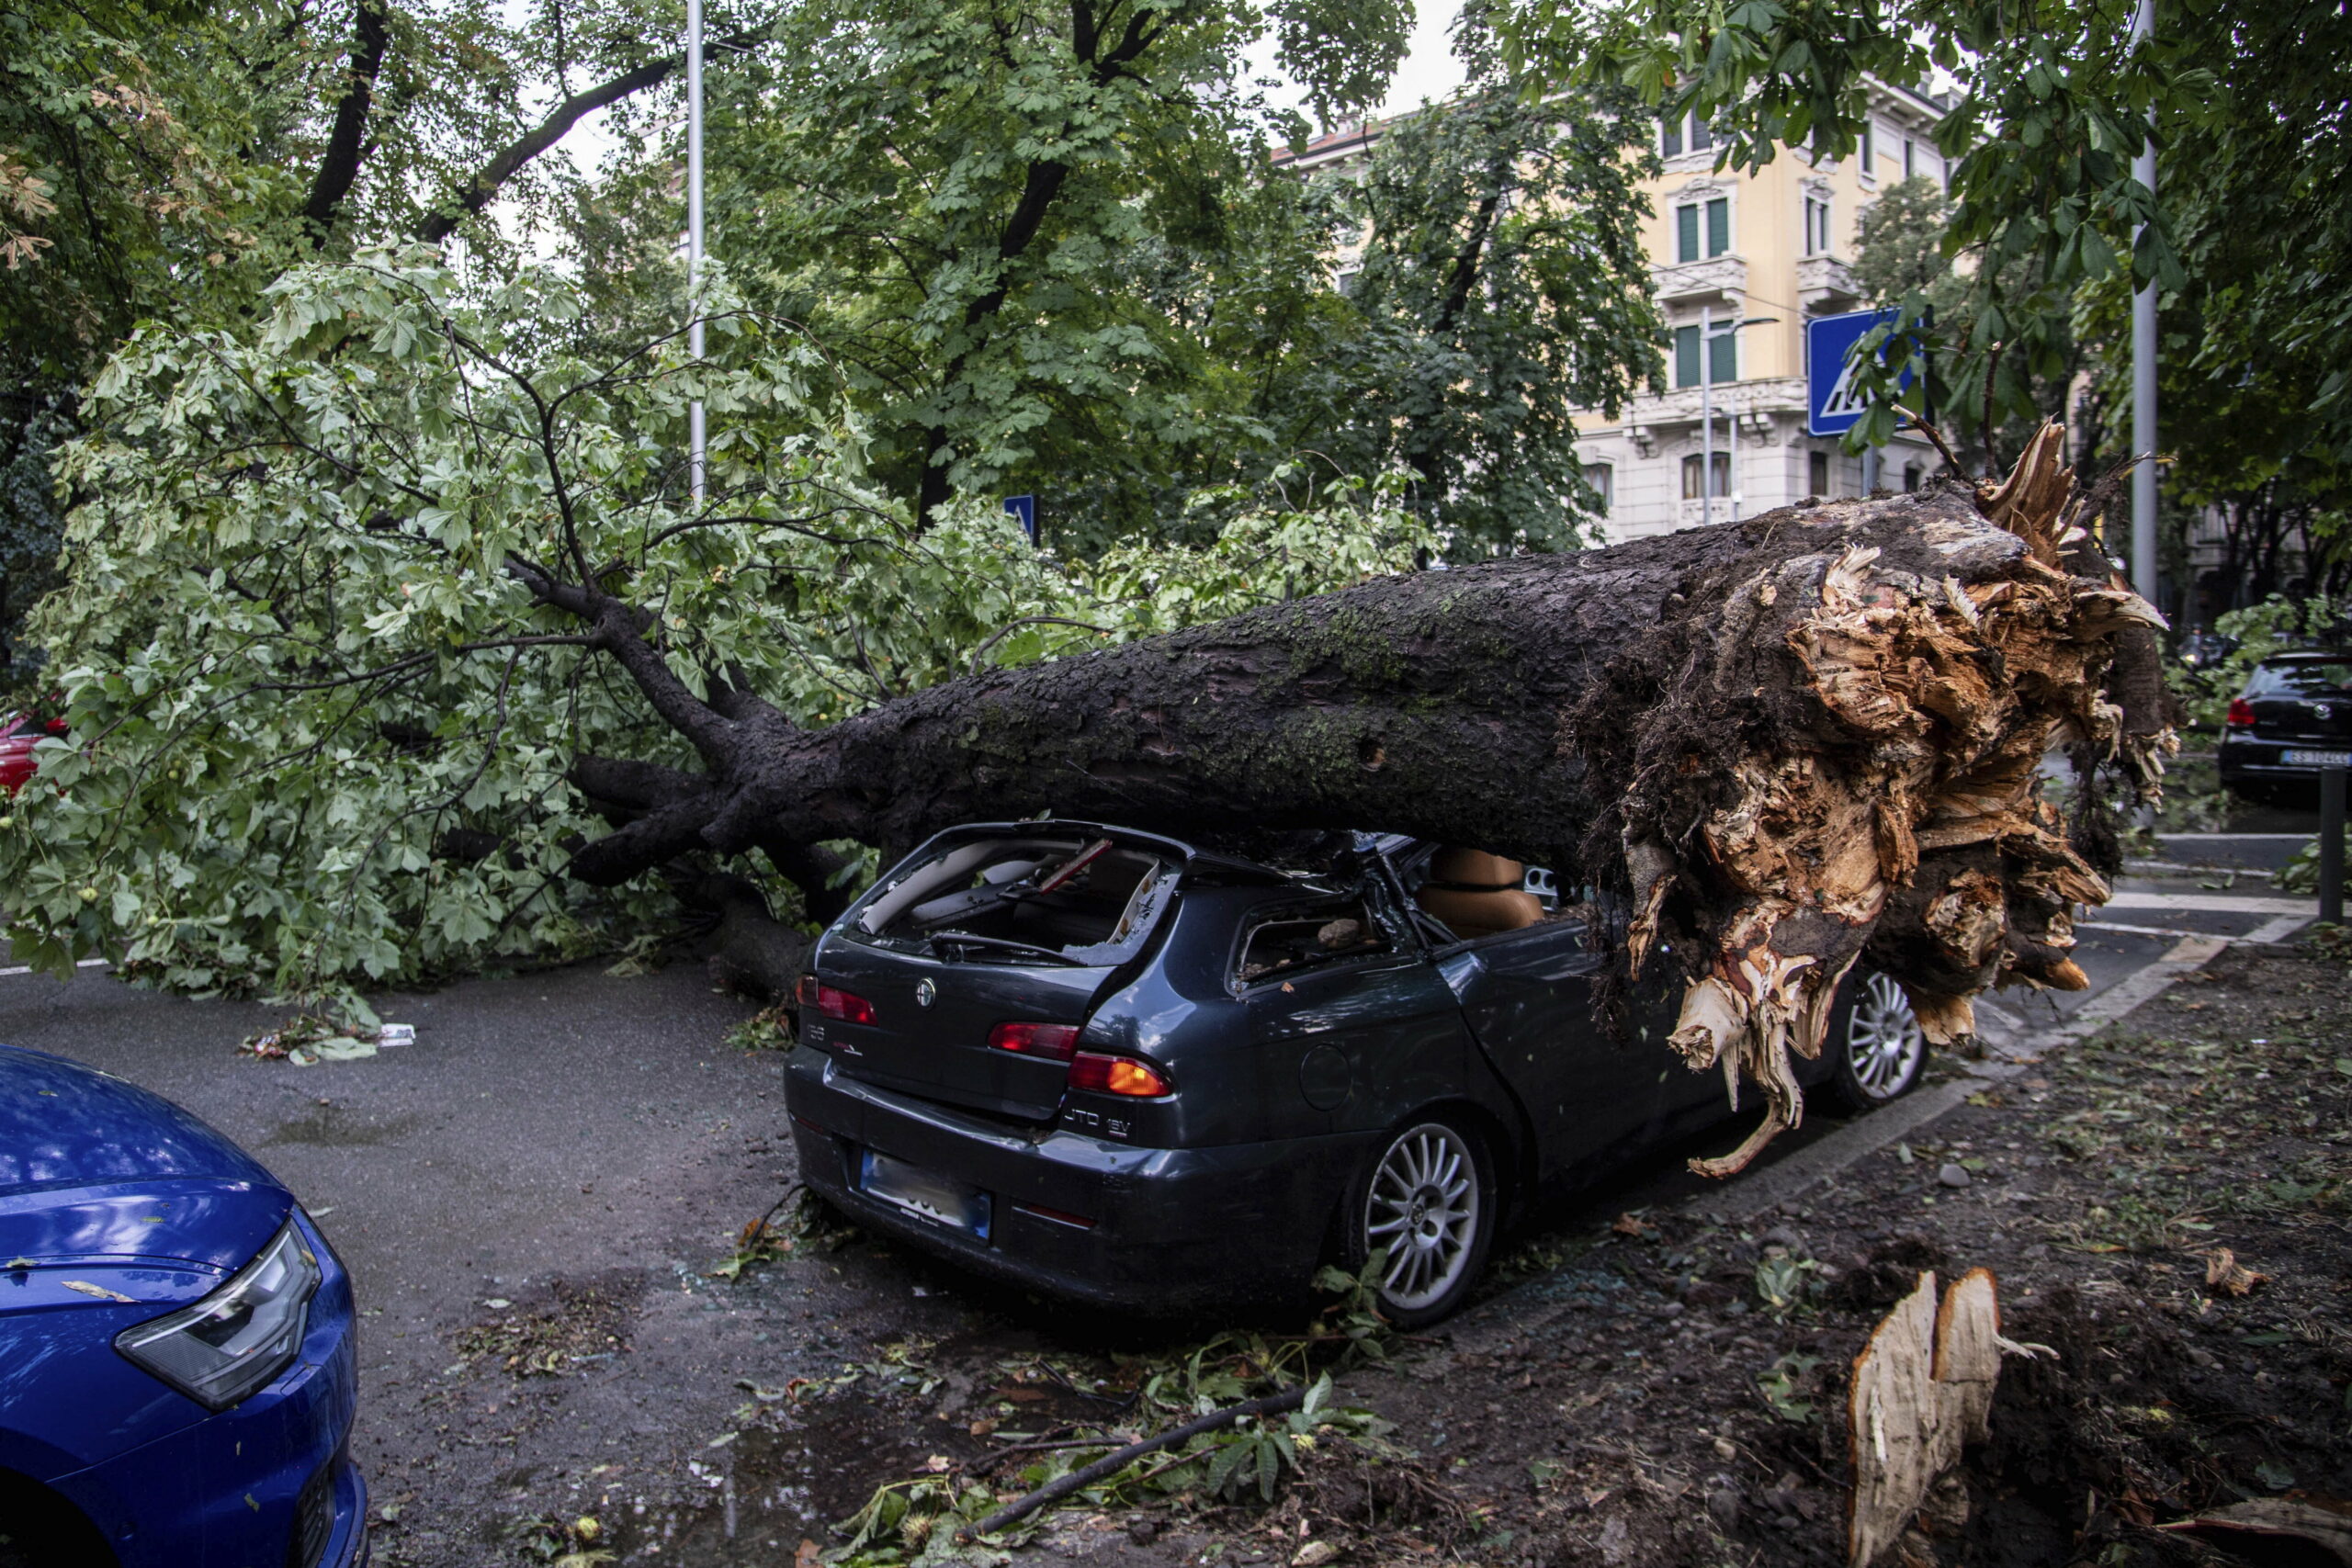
1817	1162
1503	1318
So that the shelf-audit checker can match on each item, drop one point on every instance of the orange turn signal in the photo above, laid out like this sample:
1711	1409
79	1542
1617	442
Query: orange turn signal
1117	1075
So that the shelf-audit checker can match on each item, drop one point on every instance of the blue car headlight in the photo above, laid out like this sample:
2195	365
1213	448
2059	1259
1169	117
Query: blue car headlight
241	1336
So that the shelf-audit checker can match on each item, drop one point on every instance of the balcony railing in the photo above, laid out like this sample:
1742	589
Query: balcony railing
1717	278
1824	283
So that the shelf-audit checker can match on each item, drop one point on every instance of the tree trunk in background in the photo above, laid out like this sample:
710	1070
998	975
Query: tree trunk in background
1782	740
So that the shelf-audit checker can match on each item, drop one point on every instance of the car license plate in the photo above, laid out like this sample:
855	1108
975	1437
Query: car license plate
940	1198
2318	759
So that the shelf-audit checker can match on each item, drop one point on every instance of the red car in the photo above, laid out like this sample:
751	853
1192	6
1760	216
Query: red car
18	738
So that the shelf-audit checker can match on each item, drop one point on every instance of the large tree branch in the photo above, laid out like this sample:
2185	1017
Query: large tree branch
1778	741
338	169
483	188
619	628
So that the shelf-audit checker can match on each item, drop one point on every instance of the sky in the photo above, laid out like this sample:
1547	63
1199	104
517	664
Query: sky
1430	71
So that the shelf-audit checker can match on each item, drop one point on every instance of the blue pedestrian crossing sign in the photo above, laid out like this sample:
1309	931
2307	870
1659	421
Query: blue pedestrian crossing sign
1025	507
1834	403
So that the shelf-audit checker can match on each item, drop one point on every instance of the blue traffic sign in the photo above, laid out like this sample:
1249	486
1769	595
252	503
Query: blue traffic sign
1833	402
1025	507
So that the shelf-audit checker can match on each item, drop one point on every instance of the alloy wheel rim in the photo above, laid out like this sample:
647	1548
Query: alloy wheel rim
1883	1042
1423	1207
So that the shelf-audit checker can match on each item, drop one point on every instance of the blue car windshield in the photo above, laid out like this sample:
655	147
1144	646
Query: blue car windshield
1018	899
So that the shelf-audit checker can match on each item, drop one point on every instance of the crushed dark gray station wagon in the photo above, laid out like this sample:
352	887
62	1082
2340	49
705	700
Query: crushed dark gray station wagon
1129	1071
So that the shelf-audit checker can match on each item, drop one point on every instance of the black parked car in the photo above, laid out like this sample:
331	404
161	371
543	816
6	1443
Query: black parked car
1124	1069
2294	718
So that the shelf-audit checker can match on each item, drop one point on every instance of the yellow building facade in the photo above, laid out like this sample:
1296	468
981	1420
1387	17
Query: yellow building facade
1759	253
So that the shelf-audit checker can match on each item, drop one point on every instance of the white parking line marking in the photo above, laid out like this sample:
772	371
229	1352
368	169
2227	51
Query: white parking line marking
2181	868
2279	930
2212	903
83	963
2282	928
2175	932
2238	838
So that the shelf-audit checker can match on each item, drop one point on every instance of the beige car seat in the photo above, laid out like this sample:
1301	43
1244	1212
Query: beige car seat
1476	894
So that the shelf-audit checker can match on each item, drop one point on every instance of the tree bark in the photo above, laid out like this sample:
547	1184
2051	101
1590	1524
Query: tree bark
338	169
1780	742
484	187
1042	182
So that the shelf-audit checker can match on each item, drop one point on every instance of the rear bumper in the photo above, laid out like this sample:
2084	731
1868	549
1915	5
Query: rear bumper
1172	1228
2247	758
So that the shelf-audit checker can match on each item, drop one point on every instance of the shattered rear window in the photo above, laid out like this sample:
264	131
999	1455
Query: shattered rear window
1012	900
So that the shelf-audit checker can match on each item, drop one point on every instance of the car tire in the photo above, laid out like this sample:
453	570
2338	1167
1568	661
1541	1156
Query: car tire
1877	1050
1430	1186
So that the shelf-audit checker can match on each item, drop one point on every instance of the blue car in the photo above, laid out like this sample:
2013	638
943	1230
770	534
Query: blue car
177	1370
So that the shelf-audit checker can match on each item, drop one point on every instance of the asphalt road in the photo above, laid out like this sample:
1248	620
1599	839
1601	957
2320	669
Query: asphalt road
562	1158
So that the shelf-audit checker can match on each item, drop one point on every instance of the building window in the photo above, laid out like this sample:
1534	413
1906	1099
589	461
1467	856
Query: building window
1908	167
1912	475
1722	356
1345	281
1694	465
1689	219
1819	475
1816	225
1684	131
1602	478
1869	148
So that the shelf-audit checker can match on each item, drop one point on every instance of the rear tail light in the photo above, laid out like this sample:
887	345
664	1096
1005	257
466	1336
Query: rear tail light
1059	1216
1116	1074
1056	1042
814	996
2241	714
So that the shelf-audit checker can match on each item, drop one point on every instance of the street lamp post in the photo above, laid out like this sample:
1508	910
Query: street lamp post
2144	365
1706	414
698	476
1708	334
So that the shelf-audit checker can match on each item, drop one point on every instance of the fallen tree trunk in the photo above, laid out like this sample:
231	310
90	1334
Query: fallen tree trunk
1782	741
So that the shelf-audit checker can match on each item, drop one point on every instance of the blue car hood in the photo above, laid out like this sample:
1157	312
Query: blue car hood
94	1169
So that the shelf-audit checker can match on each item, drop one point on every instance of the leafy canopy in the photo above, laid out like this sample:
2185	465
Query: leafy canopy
1035	236
320	730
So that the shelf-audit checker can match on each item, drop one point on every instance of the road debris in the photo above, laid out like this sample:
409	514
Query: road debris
100	1291
2224	1274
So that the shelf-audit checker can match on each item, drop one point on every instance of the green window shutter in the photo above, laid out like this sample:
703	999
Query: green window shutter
1686	233
1670	134
1723	358
1718	226
1686	355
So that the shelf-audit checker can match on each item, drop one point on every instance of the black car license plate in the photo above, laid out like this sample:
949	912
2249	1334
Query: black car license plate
940	1198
